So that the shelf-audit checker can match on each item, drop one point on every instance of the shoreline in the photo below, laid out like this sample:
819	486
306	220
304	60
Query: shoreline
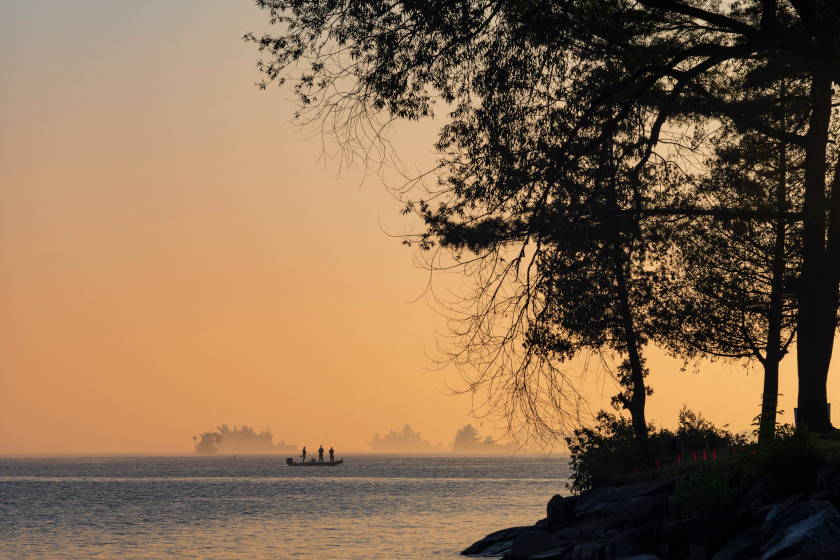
645	520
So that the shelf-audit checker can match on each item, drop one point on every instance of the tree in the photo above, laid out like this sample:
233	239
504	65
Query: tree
466	439
208	443
469	440
406	441
730	293
571	121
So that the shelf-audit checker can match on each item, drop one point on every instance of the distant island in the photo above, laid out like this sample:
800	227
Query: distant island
467	441
240	440
404	441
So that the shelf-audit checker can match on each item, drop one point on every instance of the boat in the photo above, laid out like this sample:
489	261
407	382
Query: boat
313	463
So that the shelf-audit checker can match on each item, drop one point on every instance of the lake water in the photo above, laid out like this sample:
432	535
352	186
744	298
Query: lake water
256	507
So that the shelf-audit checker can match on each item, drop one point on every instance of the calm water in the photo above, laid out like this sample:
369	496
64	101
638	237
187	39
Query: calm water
256	507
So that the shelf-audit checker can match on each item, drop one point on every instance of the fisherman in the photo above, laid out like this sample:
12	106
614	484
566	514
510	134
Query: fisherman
320	453
303	455
332	455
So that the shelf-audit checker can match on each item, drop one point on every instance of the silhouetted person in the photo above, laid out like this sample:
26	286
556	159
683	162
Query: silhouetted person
303	455
321	454
332	455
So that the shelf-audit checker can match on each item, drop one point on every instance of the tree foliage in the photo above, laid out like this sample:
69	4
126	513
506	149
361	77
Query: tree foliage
405	441
732	293
610	449
574	134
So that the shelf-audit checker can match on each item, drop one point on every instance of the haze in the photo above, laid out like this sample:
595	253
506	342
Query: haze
175	255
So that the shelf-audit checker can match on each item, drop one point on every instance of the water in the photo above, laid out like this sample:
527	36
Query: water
256	507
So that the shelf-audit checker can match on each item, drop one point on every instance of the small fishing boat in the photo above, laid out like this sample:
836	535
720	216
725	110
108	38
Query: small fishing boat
313	463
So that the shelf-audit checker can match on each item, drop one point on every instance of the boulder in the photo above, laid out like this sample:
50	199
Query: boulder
606	497
828	480
589	551
637	508
673	538
553	554
630	542
743	546
830	553
784	515
709	532
804	527
756	496
495	544
530	543
560	511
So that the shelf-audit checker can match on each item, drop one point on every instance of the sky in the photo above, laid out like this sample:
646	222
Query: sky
175	253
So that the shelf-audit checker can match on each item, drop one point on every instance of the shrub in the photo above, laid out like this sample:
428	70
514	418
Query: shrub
789	463
601	452
695	432
705	491
610	448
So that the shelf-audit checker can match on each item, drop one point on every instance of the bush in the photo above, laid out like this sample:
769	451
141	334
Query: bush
789	463
706	491
695	432
610	449
602	452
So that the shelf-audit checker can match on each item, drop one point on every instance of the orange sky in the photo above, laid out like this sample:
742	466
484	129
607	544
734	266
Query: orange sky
175	255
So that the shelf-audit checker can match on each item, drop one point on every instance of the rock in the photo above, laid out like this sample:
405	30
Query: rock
673	539
709	532
830	553
553	554
603	496
784	515
760	514
560	511
529	543
628	543
743	546
637	508
804	527
828	480
756	496
494	544
589	551
821	496
500	548
633	522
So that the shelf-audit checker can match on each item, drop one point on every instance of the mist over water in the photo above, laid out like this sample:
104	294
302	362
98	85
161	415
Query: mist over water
256	507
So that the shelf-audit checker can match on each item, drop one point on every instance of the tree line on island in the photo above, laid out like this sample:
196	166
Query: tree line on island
467	440
242	439
246	440
613	176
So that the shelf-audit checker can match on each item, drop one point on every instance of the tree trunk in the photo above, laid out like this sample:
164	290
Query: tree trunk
817	317
773	349
638	392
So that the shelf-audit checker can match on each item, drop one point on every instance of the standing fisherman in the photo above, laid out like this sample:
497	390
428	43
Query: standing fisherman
332	455
320	453
303	454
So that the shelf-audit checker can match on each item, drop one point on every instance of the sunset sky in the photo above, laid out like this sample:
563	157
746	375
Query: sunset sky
176	254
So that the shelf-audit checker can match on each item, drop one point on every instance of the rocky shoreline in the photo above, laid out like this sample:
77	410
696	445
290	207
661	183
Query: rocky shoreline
644	521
